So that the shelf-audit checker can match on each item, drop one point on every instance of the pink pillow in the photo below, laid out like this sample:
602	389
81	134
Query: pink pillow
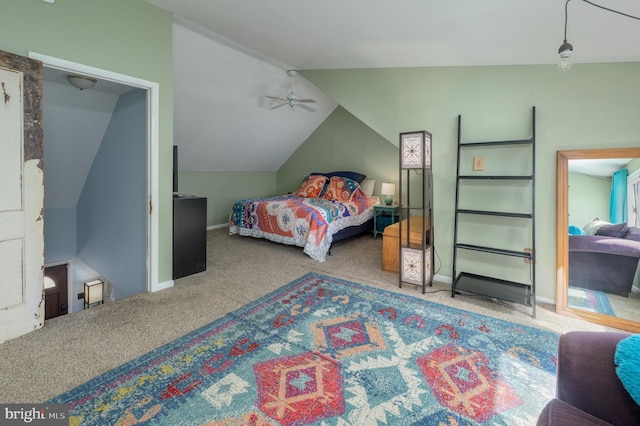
312	186
340	189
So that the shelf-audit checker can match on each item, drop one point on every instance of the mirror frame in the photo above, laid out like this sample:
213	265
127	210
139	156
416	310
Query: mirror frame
562	236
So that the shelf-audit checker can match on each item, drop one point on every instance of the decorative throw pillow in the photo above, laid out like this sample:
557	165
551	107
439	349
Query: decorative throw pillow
627	360
633	233
575	230
591	227
340	189
359	194
618	230
312	186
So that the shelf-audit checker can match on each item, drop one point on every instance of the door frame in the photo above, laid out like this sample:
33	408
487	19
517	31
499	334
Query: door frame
153	111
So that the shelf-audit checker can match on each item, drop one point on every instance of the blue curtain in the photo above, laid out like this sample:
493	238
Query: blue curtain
618	206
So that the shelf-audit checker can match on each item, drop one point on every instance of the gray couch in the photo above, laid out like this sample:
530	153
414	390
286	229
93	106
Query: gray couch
603	263
588	391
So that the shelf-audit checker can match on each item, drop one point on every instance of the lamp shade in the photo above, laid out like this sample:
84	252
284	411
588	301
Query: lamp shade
93	292
388	189
415	150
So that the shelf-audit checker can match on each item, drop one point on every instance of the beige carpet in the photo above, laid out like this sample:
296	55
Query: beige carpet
72	349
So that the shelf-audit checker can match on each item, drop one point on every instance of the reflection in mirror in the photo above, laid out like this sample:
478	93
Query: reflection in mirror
598	236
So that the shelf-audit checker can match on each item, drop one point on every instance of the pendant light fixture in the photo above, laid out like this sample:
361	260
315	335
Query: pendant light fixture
566	48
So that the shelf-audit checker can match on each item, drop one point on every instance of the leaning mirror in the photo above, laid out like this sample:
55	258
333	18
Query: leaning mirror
598	236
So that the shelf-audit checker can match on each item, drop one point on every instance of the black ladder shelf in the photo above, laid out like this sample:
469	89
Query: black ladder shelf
511	291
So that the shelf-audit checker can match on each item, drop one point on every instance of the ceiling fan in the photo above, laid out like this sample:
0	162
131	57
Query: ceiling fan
292	99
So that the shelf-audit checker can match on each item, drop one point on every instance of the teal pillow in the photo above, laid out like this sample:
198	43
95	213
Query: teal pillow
575	230
627	360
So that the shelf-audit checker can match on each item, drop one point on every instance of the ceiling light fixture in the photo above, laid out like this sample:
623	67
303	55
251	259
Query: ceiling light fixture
566	48
81	82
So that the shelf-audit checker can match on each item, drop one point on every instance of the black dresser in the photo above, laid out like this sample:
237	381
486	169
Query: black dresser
189	235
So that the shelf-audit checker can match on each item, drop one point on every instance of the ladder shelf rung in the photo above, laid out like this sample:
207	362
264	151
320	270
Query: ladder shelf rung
496	177
493	250
494	213
514	142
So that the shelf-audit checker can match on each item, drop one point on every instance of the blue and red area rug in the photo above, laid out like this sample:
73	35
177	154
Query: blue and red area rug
325	351
590	300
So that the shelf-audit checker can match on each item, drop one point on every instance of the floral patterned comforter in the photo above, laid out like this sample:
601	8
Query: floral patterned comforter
303	222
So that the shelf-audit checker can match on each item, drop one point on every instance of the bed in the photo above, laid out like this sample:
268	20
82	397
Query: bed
326	208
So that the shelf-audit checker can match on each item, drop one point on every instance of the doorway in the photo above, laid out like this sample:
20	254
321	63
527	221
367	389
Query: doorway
55	291
150	93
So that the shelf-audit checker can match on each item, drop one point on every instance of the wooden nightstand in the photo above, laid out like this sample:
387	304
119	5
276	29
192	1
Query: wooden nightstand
380	210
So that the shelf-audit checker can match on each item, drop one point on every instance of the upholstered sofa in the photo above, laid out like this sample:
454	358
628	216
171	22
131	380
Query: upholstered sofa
588	391
604	263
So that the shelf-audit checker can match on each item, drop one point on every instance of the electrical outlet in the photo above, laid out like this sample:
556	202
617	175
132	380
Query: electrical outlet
80	296
478	164
527	260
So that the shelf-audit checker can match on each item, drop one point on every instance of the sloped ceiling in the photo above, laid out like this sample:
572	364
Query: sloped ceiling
74	124
222	118
228	54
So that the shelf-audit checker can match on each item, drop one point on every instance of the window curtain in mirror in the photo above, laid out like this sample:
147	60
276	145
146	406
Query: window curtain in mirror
634	199
618	204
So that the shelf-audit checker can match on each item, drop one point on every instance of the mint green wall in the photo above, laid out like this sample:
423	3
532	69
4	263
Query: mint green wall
129	37
223	189
591	106
588	198
341	142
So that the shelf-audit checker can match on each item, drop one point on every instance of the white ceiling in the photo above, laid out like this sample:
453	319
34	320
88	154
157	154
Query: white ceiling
410	33
604	167
229	54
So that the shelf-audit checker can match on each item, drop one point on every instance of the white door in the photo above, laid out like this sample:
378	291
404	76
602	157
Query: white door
21	196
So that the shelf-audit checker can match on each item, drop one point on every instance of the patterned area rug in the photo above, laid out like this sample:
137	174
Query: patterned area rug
590	300
325	351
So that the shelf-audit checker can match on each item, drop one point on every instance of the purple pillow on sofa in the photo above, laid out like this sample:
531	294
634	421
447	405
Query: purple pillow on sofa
618	230
633	233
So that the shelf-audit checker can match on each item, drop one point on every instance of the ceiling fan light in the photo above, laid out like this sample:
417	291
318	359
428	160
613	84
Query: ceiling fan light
292	99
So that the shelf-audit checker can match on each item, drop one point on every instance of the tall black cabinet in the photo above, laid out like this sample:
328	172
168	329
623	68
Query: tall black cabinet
189	235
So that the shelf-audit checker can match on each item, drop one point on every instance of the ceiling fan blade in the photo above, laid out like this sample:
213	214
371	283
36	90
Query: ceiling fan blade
307	108
278	106
276	98
307	101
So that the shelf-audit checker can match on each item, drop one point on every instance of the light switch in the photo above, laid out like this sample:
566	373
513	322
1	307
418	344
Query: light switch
478	164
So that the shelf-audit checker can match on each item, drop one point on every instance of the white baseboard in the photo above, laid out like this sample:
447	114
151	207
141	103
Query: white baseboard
222	225
162	286
545	300
443	279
